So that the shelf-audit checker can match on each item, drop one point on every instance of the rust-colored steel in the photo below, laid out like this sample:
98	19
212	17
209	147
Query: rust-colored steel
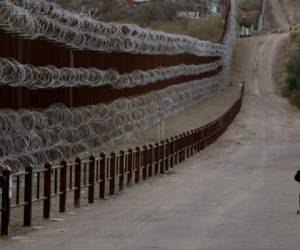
145	163
40	53
156	158
77	192
162	157
130	166
91	188
122	170
137	165
150	160
5	213
172	149
28	196
102	176
167	155
63	186
47	190
112	173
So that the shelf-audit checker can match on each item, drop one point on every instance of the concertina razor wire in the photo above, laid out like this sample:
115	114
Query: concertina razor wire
23	75
38	136
33	24
58	132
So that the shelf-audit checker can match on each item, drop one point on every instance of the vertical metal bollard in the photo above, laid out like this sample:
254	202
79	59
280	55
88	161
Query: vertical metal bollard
172	152
156	159
184	146
198	140
145	163
28	196
6	197
122	170
47	190
187	144
112	173
192	141
176	149
150	160
63	186
137	164
130	167
167	155
102	176
162	157
91	189
77	192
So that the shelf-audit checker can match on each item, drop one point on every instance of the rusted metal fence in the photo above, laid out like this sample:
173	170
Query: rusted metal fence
103	174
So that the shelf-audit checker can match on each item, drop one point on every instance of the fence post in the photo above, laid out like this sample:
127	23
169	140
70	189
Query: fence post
180	148
28	196
47	190
77	192
167	155
150	160
145	163
184	146
172	152
162	157
192	142
63	186
130	166
187	144
137	164
122	170
91	190
156	159
176	147
112	173
6	197
102	176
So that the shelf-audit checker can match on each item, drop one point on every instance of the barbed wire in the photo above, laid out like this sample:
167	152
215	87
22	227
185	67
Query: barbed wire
38	136
18	20
14	74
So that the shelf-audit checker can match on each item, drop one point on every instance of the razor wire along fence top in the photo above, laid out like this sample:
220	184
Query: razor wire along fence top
102	174
36	136
22	75
30	21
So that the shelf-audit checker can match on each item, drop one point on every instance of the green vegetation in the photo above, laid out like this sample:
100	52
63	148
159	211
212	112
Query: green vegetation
253	5
208	28
157	15
291	87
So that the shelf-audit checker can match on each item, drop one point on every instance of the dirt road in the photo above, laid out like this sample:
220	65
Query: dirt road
279	17
238	194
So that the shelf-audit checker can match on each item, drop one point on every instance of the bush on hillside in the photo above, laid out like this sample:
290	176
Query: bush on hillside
291	89
291	82
295	97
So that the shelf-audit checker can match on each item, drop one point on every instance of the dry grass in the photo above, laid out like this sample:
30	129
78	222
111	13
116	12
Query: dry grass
209	28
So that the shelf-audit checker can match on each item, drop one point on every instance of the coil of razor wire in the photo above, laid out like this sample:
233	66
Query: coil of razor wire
18	20
37	136
23	75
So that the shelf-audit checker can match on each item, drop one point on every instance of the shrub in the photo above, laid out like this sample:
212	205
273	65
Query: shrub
293	66
292	82
294	36
285	91
295	98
